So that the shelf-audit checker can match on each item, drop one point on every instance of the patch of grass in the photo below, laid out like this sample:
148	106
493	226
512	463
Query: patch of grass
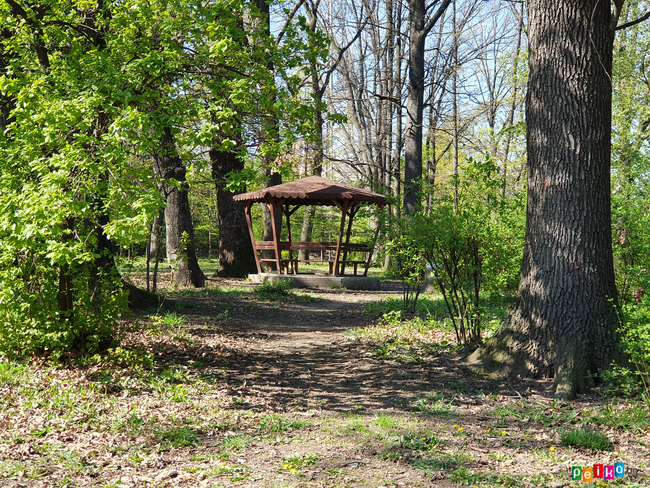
277	423
179	436
441	461
135	457
11	468
433	405
465	477
294	464
419	441
233	443
386	422
628	416
585	437
499	456
131	422
235	472
427	305
11	373
131	357
40	432
395	327
549	414
358	425
274	290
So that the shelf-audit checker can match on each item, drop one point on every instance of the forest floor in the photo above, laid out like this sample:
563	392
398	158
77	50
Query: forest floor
238	386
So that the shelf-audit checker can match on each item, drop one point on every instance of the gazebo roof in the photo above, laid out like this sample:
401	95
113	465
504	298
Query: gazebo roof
312	191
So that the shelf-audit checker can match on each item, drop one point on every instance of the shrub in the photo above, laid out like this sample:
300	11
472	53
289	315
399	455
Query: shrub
633	378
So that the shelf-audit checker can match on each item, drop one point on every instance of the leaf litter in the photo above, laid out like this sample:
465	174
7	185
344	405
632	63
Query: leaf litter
276	394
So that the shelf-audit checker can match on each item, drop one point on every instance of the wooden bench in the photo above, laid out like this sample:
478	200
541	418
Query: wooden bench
290	264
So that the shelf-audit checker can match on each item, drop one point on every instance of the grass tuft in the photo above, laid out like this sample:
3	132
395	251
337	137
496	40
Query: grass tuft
585	437
277	423
180	437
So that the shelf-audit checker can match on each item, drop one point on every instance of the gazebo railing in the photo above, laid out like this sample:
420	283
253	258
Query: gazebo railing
326	254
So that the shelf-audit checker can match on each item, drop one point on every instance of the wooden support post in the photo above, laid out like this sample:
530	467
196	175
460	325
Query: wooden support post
276	238
344	212
247	211
287	215
352	212
372	249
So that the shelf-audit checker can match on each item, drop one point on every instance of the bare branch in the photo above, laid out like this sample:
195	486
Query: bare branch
634	22
292	14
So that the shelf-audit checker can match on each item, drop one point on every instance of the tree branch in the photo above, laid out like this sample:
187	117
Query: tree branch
434	18
634	22
289	19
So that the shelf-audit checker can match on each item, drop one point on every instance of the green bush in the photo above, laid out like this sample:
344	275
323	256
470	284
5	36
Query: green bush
634	378
469	246
31	318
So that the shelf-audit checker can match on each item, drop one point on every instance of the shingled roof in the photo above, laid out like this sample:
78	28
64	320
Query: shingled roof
312	191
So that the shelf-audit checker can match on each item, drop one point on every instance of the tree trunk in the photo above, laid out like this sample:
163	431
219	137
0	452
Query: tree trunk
181	251
415	100
236	258
414	107
563	321
157	249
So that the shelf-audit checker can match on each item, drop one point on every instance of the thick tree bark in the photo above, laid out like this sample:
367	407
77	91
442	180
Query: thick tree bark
236	257
563	321
181	250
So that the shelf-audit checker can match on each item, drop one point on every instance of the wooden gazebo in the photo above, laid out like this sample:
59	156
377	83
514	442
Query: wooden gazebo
311	191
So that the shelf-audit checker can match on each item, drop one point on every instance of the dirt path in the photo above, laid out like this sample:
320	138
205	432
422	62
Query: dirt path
297	352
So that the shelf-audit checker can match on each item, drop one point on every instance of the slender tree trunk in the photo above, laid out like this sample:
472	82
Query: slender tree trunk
181	250
271	177
513	103
454	94
415	99
563	321
414	107
316	170
156	251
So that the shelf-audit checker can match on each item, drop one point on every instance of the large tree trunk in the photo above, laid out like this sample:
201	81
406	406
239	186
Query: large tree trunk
236	258
181	251
563	321
415	99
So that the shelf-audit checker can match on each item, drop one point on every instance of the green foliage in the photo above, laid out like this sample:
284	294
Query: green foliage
633	378
295	463
435	405
419	441
467	248
585	437
630	183
412	266
80	124
11	373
